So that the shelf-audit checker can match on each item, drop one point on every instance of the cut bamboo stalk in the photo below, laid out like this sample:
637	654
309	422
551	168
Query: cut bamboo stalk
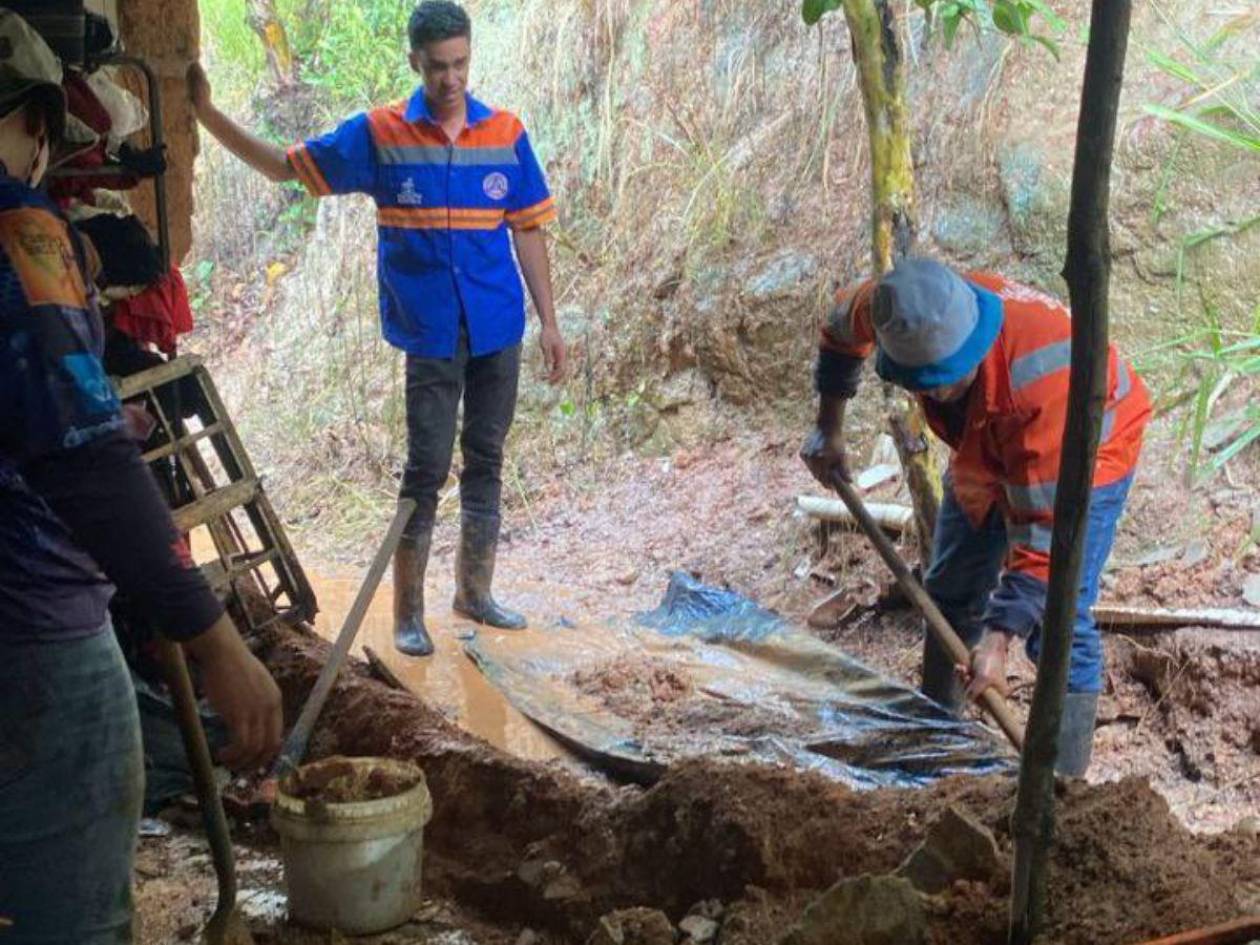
1109	615
894	518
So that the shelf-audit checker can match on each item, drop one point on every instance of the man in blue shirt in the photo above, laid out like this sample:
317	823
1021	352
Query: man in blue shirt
80	515
457	188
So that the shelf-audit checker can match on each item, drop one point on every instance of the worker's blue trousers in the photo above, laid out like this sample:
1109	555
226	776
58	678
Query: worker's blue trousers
71	788
966	564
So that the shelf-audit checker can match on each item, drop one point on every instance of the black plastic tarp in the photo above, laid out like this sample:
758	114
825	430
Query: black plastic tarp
711	674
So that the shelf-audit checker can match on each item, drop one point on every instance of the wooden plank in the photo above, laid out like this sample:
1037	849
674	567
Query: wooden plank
155	377
224	578
182	442
215	504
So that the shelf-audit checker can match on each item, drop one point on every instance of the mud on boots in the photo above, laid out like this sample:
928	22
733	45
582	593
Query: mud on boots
474	573
411	637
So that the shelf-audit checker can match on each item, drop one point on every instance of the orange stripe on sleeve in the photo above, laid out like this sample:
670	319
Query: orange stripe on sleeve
307	171
539	214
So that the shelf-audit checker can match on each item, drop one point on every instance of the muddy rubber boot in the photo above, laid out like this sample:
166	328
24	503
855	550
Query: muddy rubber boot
1076	734
474	572
410	560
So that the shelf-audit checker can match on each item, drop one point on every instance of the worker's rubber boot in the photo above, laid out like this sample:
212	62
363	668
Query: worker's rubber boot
474	572
410	560
1076	733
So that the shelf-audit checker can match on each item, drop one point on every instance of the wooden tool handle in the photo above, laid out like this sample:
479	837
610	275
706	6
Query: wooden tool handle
937	625
295	745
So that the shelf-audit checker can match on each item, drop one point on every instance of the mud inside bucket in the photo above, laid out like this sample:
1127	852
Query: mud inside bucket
351	835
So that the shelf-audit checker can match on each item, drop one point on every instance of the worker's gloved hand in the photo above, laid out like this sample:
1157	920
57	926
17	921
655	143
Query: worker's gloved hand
241	690
825	457
988	665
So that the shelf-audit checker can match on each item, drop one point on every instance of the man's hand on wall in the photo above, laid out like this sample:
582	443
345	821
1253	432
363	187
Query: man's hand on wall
199	89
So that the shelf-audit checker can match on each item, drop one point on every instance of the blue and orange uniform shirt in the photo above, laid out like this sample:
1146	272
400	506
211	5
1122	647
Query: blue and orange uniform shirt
444	211
1007	449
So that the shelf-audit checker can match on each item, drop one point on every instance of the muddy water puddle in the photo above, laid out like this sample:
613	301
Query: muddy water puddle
448	679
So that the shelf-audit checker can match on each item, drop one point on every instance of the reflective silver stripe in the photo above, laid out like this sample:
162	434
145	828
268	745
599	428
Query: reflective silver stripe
439	154
1038	497
1124	384
1108	425
1030	535
1041	363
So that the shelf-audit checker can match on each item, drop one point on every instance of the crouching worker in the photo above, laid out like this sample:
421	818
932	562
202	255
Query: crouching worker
988	359
80	514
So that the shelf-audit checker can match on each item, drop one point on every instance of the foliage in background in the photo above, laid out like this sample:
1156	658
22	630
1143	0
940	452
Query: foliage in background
1218	82
1017	18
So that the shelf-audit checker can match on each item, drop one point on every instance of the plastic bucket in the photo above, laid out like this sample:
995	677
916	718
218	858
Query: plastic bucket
353	865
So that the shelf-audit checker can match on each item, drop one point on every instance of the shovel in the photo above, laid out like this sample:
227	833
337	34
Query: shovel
937	625
226	927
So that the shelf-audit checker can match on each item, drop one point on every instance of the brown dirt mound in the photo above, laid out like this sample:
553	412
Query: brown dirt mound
660	699
541	845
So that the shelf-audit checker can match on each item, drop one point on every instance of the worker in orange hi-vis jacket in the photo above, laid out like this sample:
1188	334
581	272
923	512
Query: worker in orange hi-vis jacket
988	359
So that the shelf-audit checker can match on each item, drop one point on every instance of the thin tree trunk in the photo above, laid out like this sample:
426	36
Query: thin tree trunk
882	76
264	21
1087	271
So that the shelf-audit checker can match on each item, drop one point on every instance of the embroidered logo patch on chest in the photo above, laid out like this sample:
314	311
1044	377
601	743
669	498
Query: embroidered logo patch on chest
409	196
495	185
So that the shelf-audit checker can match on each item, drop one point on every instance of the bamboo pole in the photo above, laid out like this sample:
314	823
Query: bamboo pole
1087	271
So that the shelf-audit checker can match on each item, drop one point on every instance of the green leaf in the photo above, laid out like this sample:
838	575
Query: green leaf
813	10
1049	44
949	27
1172	67
1006	18
1207	129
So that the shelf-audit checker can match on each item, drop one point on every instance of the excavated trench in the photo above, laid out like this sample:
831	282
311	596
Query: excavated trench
537	844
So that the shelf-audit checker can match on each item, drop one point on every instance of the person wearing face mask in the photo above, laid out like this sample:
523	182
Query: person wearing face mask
988	360
80	515
461	201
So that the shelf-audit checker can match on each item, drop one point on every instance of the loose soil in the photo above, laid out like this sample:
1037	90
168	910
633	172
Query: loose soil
659	698
340	781
543	848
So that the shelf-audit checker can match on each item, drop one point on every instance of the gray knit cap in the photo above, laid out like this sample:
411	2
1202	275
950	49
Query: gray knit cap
930	325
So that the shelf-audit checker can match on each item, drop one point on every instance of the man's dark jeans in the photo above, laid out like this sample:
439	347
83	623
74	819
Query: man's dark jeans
434	387
71	786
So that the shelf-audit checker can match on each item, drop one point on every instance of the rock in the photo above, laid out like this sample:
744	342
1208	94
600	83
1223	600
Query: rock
957	847
527	937
867	910
784	272
639	926
698	929
532	872
968	226
1249	825
708	908
1251	590
1195	554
